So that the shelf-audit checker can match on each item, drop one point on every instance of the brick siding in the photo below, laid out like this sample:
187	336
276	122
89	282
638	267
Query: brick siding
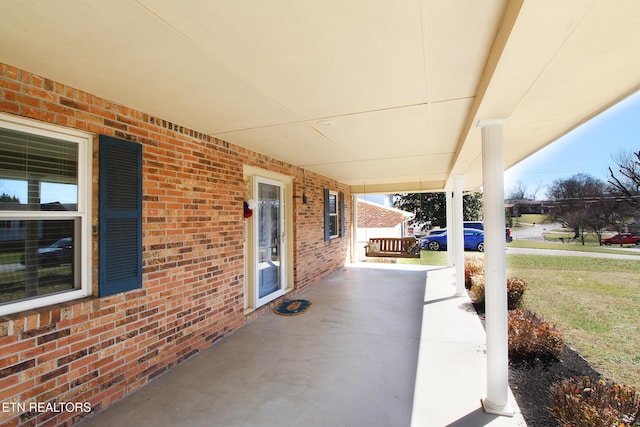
98	350
371	215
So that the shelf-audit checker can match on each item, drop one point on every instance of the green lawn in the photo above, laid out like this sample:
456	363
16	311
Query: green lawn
9	257
427	258
594	302
51	279
556	235
528	220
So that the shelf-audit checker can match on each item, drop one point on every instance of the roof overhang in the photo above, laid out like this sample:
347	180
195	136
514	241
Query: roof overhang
383	96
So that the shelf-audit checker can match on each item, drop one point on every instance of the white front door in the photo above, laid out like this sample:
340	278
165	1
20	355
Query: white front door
269	251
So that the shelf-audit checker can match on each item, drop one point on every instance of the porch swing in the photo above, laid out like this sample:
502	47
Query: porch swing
391	247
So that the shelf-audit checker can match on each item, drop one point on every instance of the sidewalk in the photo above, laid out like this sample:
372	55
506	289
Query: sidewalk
451	375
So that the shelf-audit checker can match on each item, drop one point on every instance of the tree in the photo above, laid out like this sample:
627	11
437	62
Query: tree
472	206
7	198
626	185
432	207
426	207
518	191
574	201
536	189
606	212
596	219
619	216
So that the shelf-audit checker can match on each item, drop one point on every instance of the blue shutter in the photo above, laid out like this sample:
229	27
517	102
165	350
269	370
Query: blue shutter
120	205
327	219
342	230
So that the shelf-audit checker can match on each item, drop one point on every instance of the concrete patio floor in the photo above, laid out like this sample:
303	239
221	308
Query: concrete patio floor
364	354
452	366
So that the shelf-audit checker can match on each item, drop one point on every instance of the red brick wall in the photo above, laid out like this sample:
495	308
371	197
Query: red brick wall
97	350
371	215
315	257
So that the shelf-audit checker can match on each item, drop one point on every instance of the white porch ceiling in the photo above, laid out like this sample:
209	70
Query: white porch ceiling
383	95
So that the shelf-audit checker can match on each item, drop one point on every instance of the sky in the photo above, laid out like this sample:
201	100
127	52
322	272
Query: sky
590	148
51	192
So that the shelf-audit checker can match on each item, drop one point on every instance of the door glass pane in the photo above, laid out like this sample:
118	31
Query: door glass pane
269	205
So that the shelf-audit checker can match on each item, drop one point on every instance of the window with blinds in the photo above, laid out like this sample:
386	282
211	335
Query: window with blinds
334	224
37	172
41	222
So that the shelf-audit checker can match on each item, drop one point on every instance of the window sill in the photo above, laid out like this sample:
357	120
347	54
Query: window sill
40	320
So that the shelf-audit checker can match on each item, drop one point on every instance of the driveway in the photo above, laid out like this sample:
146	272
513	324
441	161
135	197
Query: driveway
533	231
11	268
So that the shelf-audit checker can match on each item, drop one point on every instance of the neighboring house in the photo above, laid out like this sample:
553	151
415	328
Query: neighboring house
13	231
167	258
519	207
375	220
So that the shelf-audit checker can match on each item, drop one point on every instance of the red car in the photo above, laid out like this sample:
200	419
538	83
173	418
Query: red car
622	238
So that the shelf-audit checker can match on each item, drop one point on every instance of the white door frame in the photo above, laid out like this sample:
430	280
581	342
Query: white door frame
262	256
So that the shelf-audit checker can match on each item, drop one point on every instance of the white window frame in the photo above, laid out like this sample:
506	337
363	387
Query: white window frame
82	217
334	216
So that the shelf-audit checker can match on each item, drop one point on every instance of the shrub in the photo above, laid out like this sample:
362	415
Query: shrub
477	287
530	337
587	402
515	292
473	266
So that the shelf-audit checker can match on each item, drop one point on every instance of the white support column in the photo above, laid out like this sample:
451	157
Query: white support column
449	225
495	266
458	235
355	251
